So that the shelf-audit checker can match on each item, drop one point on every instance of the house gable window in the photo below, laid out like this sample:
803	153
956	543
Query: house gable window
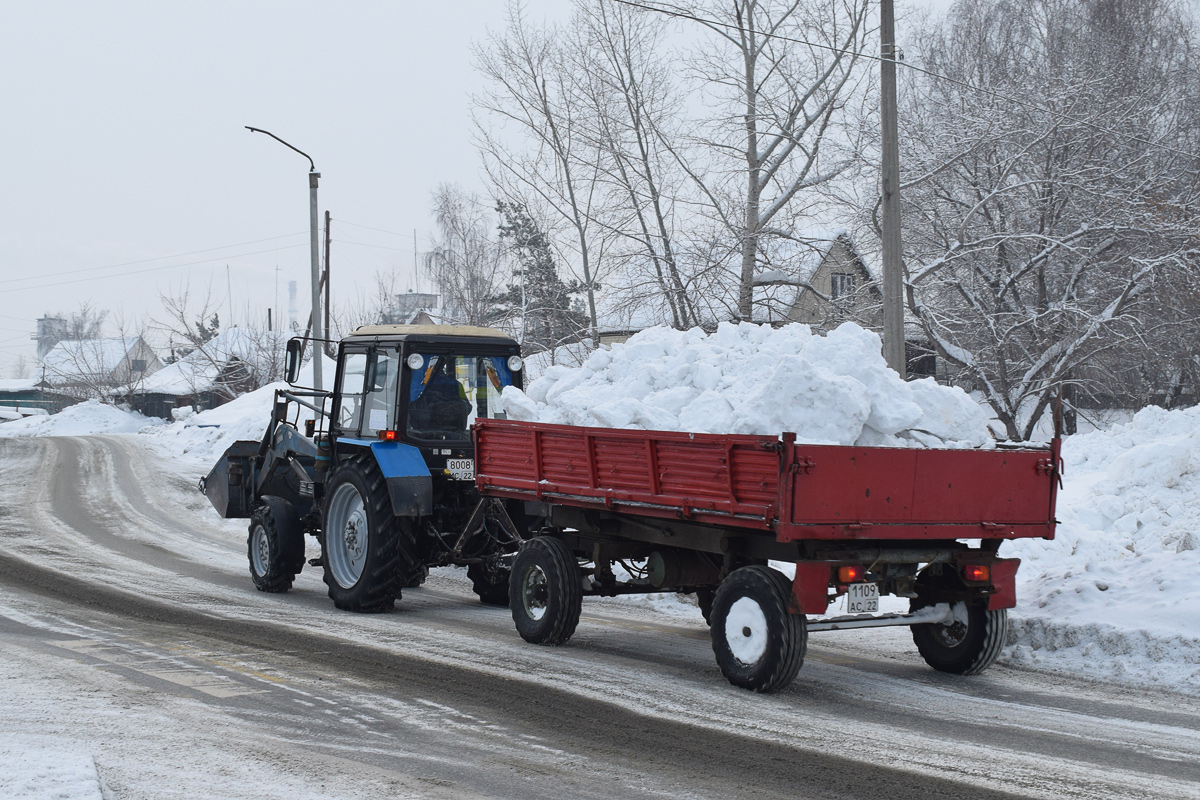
841	285
138	365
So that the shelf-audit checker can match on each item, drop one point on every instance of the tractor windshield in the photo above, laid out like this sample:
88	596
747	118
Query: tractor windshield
447	393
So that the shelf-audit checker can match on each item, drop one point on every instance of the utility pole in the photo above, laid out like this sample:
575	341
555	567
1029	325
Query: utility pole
893	263
313	180
328	347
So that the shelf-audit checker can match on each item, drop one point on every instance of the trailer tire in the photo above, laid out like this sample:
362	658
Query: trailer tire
759	644
275	546
492	587
364	576
545	591
958	648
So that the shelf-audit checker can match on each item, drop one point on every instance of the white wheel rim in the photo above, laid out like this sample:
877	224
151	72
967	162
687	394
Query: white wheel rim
746	631
346	536
534	593
260	550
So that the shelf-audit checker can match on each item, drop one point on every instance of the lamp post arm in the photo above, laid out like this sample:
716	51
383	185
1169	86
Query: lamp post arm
311	166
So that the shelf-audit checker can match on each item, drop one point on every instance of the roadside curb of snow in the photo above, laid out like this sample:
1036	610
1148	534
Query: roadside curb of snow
1135	658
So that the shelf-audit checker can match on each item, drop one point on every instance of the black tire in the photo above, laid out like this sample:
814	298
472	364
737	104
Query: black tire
962	648
364	576
490	585
415	577
275	546
758	643
704	599
545	591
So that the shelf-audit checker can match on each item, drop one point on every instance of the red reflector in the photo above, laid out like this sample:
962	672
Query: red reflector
977	572
850	574
387	436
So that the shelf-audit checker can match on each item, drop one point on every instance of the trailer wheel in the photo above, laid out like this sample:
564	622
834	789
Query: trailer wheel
275	547
367	550
545	591
491	586
968	645
759	644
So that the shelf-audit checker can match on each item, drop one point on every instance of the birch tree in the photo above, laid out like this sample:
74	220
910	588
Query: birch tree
1047	208
779	74
467	263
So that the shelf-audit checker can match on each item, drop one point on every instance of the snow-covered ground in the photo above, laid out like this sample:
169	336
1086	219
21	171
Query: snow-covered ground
1111	597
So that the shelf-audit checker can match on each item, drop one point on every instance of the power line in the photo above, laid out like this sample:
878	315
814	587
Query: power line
155	269
148	260
682	14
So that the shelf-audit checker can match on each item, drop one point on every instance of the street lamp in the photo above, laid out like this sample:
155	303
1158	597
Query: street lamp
318	333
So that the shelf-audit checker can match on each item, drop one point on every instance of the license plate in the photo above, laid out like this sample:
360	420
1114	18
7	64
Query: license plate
461	469
862	598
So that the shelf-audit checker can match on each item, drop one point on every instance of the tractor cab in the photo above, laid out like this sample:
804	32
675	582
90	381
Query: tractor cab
422	386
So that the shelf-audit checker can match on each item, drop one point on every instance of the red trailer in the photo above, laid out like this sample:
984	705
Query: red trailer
705	513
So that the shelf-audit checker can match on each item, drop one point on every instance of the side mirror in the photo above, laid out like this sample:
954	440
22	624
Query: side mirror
295	352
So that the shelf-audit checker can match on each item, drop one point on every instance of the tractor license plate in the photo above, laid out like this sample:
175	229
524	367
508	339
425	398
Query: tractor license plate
461	469
862	598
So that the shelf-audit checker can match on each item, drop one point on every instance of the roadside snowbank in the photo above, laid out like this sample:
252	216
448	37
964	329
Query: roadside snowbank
1114	594
83	419
754	379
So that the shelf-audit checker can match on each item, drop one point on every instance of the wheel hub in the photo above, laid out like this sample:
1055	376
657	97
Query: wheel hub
535	593
746	631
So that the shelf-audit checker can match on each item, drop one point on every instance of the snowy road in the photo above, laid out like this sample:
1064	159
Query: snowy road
131	635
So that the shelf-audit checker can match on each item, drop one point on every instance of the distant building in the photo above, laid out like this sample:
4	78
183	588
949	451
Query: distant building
98	367
413	308
233	363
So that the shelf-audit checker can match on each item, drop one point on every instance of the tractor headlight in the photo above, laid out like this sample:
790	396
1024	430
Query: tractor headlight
415	361
515	363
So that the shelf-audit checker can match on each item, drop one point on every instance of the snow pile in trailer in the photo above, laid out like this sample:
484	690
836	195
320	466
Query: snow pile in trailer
1115	595
83	419
754	379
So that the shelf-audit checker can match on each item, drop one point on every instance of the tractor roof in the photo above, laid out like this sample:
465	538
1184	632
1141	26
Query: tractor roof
427	331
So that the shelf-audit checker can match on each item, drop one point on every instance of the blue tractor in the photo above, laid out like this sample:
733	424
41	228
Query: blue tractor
382	470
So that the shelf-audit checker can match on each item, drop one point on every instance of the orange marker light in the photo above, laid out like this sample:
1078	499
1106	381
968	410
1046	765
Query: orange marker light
387	436
850	574
977	572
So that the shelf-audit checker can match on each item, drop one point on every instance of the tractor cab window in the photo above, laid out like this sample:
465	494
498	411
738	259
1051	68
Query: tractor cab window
447	393
367	394
380	403
349	404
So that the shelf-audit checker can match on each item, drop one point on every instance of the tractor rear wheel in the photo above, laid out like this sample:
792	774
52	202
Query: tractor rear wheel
367	551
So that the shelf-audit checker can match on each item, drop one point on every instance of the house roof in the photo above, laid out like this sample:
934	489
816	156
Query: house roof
18	384
76	359
200	370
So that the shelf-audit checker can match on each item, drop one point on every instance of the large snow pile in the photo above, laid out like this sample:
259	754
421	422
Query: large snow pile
82	419
754	379
1115	593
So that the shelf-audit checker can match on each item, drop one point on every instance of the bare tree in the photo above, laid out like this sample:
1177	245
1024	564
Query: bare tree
467	263
781	73
1048	209
552	162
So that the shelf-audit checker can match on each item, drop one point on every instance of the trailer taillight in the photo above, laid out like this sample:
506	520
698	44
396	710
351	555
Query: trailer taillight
977	572
387	436
850	574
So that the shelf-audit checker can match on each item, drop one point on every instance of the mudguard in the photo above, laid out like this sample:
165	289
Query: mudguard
409	483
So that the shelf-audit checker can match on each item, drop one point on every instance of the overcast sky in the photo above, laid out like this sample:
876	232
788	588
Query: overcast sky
124	143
